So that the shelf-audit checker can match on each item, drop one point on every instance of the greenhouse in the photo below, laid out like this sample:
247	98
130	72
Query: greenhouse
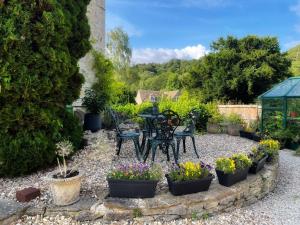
281	106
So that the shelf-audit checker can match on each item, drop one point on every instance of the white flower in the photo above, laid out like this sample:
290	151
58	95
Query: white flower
64	148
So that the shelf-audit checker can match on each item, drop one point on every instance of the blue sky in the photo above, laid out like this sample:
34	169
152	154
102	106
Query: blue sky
163	29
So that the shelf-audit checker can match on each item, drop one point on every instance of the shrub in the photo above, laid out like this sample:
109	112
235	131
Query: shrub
93	101
189	171
41	42
270	146
257	154
183	106
140	171
234	163
234	118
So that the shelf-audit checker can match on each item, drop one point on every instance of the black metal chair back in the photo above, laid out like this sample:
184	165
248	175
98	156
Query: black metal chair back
165	125
116	121
191	120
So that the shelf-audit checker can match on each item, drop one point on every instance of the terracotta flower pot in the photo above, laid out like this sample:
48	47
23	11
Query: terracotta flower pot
213	128
64	191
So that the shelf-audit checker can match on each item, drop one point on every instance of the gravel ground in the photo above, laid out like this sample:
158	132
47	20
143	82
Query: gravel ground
278	208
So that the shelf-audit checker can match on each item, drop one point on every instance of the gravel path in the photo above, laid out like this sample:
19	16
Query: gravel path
279	208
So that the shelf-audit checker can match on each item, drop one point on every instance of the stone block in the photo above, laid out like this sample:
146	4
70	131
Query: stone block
27	194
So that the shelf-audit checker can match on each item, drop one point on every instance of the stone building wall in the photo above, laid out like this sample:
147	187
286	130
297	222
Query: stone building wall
96	16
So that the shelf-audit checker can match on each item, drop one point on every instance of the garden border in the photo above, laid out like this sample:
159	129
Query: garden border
216	200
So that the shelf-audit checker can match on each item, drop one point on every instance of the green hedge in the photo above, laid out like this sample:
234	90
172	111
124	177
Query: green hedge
183	106
40	45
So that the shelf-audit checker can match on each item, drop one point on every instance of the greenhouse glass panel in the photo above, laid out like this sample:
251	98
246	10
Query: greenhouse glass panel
281	105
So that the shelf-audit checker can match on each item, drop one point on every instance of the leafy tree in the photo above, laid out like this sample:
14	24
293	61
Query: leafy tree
241	69
119	51
40	45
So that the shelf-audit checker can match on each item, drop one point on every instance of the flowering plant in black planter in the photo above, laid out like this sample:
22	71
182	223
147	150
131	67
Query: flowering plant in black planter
271	148
258	158
134	180
189	178
232	170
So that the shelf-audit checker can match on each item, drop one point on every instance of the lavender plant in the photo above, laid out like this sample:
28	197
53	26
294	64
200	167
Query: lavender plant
137	171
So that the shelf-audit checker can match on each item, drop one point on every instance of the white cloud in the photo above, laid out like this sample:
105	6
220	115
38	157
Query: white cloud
291	44
296	8
162	55
113	21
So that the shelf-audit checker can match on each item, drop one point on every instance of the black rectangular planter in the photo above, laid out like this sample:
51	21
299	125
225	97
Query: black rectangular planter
189	187
230	179
256	138
257	166
132	188
246	134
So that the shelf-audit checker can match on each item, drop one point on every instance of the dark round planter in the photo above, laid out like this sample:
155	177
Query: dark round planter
92	122
230	179
257	166
132	188
189	187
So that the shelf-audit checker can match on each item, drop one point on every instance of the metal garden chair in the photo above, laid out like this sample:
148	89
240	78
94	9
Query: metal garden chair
165	125
123	136
187	132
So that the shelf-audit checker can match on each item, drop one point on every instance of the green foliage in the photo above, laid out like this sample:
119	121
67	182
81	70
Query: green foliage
137	212
257	154
138	171
241	161
234	118
119	52
38	77
189	171
183	106
241	69
235	162
294	56
270	146
71	129
97	98
226	165
93	101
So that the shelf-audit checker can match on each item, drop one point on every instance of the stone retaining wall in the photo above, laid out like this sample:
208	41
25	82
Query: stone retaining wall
217	199
164	206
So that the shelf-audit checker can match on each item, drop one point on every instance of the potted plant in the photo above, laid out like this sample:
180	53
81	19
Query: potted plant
64	184
213	125
95	103
258	158
189	177
134	181
235	124
249	131
232	170
271	148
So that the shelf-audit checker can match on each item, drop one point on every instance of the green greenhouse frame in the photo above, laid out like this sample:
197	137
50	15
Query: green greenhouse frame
281	104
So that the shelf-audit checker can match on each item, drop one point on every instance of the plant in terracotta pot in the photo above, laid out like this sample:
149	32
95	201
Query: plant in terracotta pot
134	180
271	148
189	178
235	124
65	183
94	103
233	169
258	158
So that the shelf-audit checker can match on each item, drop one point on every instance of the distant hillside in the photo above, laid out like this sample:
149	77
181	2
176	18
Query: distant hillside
294	55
